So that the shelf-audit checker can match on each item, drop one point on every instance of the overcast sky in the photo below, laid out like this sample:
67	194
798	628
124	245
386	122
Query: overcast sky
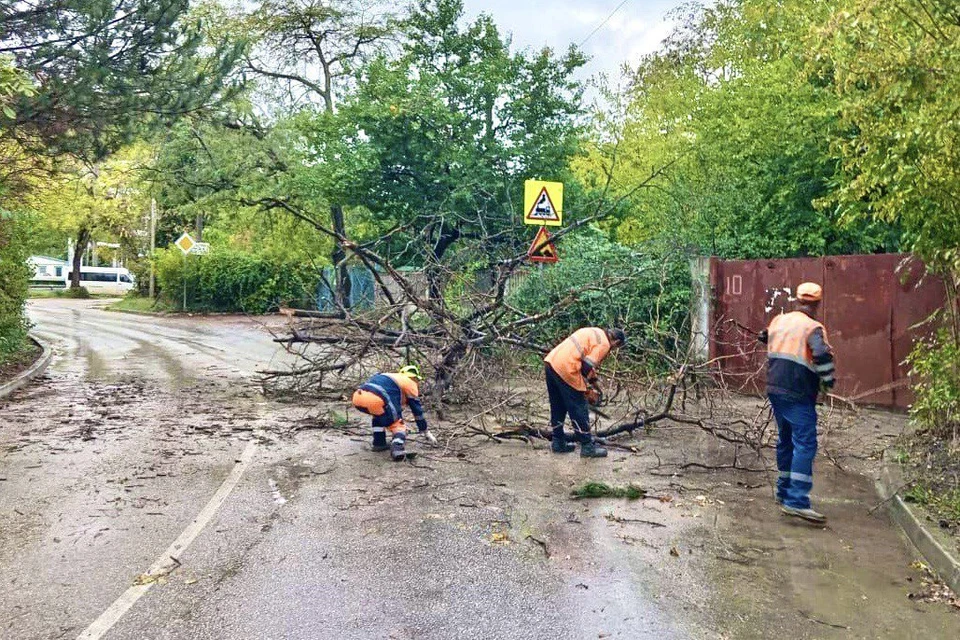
635	29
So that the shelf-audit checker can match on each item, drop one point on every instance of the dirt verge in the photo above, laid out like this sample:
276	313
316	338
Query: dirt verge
19	362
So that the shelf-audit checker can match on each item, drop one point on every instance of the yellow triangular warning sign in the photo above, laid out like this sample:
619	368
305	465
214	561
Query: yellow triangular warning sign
540	252
543	203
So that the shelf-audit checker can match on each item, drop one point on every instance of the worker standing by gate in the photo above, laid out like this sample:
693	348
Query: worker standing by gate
570	368
799	361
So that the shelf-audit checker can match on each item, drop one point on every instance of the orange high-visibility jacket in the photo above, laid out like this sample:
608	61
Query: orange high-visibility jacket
789	338
799	358
588	345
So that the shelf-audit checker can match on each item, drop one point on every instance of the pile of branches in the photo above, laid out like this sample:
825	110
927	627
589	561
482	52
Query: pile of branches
454	306
470	340
481	395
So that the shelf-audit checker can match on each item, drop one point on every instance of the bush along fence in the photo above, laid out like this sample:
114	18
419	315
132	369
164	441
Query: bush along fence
227	280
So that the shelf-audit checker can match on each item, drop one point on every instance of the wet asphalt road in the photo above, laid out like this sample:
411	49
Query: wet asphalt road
111	456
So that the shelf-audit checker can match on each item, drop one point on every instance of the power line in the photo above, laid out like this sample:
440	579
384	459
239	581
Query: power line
605	21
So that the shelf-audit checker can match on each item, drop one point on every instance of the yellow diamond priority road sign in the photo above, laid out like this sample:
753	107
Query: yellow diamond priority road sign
543	203
185	243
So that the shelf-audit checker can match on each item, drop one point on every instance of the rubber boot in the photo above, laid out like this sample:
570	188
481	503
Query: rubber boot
397	447
589	448
558	443
379	441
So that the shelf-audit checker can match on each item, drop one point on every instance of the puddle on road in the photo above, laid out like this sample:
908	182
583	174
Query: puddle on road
848	579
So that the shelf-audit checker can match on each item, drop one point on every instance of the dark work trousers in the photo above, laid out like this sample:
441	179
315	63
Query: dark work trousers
565	400
796	449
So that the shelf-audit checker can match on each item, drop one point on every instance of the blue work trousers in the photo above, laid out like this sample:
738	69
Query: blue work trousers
796	448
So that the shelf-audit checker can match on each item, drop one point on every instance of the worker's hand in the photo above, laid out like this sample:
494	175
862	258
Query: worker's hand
432	439
594	396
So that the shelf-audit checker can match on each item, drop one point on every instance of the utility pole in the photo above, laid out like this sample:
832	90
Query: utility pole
153	245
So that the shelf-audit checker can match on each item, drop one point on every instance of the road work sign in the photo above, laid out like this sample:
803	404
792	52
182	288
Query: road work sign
543	203
542	249
185	243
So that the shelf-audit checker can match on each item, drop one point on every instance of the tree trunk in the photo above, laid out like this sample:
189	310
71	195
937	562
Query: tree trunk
199	237
433	271
83	237
338	257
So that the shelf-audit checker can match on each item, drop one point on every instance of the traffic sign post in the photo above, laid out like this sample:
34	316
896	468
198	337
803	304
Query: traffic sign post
188	245
543	203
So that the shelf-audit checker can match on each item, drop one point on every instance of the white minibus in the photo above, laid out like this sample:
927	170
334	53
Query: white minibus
109	280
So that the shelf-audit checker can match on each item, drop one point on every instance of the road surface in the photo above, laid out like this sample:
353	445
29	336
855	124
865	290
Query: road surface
148	445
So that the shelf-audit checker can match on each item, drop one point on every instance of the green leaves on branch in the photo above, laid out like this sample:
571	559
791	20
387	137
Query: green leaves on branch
105	70
895	71
730	108
13	83
646	291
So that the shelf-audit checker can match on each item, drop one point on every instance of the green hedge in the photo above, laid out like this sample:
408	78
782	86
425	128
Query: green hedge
14	278
228	280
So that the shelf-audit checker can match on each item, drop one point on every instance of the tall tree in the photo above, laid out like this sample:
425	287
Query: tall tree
106	70
452	127
97	202
307	49
730	108
895	68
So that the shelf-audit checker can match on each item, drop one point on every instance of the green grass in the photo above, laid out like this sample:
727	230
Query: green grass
602	490
944	504
901	456
63	293
136	304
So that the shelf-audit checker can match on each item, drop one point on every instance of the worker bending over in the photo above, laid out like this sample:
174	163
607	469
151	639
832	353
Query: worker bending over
570	369
799	360
382	397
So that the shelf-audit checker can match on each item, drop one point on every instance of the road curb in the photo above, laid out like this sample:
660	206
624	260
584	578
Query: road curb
36	369
935	551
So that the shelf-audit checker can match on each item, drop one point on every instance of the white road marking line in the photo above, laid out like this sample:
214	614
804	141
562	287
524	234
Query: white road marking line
169	559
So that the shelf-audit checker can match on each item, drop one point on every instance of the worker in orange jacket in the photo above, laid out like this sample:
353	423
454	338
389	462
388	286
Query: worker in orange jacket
571	372
382	397
799	363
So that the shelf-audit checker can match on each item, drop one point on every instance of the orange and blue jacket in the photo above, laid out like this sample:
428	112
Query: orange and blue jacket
396	390
576	359
799	358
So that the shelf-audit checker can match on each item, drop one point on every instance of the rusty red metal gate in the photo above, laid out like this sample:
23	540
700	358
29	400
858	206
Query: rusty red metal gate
871	307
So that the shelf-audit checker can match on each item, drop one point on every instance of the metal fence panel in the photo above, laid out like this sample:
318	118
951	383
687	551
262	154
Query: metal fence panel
362	289
871	307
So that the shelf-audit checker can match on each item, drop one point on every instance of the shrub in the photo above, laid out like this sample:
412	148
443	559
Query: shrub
649	296
74	292
936	364
14	279
228	280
